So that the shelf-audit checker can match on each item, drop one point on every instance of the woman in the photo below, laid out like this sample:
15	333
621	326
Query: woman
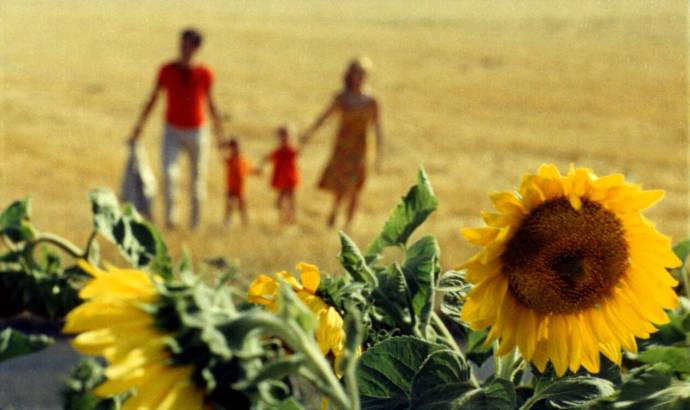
346	171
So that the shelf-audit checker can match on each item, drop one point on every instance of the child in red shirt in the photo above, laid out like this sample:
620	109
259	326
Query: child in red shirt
285	176
237	168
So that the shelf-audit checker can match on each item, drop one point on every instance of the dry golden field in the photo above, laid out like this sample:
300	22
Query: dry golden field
479	92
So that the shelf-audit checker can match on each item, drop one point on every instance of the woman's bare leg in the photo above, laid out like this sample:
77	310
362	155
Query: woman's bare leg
352	207
334	212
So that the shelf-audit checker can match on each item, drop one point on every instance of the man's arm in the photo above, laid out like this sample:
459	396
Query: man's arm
217	121
150	103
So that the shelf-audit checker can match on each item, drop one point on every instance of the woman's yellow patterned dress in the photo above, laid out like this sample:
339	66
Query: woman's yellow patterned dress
347	168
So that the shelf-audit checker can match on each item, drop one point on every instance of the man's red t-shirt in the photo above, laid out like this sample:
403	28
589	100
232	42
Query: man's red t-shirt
187	90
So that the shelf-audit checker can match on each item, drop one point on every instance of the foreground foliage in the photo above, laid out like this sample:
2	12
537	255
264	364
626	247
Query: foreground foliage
370	337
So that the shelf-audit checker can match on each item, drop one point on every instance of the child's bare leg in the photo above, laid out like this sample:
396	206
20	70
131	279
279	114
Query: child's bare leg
291	214
334	211
281	207
228	211
243	210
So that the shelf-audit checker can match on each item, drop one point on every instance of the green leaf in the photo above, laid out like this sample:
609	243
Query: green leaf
77	395
498	395
274	370
645	381
454	289
353	261
290	307
682	249
411	212
386	371
14	221
393	301
674	397
421	268
14	343
444	397
289	404
568	392
676	357
439	371
137	239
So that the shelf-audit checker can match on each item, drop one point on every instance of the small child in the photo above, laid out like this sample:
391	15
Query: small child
237	168
285	175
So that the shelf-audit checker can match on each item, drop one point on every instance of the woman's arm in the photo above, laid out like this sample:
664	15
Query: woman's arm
378	130
332	108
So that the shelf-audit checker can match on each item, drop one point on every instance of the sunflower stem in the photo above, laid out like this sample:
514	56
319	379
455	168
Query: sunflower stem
293	335
505	364
447	336
57	241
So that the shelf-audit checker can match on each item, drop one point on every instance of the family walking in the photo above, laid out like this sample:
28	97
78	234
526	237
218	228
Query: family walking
188	87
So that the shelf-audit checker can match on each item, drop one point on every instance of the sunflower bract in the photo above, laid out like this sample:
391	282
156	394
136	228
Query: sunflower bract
569	269
111	323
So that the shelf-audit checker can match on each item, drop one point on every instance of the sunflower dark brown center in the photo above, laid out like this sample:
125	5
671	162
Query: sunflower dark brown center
562	260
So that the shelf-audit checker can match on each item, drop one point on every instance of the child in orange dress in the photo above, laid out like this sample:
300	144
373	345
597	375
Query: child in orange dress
237	168
285	176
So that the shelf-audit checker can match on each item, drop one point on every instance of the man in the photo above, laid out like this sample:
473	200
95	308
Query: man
188	88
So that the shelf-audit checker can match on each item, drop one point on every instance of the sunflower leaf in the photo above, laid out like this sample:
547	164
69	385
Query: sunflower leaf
411	212
439	369
682	249
14	343
138	241
386	371
275	370
393	301
354	263
569	392
676	396
645	381
675	356
14	221
421	269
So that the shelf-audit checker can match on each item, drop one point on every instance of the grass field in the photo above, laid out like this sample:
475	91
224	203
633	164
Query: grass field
479	92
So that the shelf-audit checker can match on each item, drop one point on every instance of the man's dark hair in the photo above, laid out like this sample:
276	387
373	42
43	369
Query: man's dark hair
193	35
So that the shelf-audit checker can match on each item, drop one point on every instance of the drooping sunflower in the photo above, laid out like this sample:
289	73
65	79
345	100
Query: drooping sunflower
113	323
570	268
329	334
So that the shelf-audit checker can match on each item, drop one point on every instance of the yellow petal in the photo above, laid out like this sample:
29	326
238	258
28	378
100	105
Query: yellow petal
480	236
263	290
185	395
310	276
558	350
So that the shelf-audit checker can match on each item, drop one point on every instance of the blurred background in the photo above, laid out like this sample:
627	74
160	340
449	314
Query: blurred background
478	92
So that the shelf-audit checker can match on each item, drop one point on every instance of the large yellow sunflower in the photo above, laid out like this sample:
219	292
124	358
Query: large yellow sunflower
111	323
569	269
330	334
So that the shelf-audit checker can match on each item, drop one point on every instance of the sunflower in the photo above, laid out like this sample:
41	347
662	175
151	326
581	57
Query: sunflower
570	268
329	324
113	323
